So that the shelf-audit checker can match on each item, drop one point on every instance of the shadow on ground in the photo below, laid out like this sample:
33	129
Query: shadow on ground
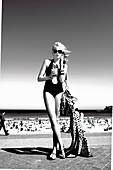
31	151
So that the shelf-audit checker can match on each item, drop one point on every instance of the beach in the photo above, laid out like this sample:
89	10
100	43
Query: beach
30	152
30	141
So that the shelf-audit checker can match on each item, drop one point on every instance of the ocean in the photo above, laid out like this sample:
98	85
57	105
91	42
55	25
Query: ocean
43	113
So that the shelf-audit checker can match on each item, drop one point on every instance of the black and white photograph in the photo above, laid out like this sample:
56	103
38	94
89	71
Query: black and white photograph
56	84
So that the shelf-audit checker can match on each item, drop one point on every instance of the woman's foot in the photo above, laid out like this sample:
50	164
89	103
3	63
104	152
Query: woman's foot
71	151
52	156
90	155
62	155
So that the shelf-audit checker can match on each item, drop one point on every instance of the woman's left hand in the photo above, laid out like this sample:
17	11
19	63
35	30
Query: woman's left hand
62	72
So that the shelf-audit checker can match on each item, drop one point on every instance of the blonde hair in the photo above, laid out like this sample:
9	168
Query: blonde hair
62	47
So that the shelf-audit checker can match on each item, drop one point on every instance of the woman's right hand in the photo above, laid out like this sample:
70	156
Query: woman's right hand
50	76
53	72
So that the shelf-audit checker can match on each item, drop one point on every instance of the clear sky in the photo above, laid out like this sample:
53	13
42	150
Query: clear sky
30	28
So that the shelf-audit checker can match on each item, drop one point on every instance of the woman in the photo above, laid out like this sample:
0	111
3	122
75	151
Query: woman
53	72
2	123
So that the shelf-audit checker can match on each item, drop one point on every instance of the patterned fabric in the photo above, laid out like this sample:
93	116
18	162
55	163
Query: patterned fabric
79	140
66	101
79	145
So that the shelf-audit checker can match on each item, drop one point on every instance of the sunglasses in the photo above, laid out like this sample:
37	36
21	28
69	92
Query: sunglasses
59	51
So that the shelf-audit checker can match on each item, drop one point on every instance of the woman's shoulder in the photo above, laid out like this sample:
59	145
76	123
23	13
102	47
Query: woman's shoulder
47	61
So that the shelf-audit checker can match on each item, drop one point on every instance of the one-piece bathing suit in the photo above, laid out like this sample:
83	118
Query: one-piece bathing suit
53	89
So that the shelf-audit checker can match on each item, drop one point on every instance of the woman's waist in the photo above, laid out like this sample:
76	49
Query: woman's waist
50	84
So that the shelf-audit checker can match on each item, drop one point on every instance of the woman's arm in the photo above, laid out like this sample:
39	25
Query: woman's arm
42	74
63	69
63	73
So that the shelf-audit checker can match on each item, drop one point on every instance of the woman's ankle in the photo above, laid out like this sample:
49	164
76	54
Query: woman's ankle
54	150
62	147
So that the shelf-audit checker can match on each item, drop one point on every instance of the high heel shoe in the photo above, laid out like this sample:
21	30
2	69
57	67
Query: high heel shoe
62	155
90	155
71	151
52	156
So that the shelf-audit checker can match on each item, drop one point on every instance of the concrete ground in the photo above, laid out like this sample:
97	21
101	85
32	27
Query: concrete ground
30	152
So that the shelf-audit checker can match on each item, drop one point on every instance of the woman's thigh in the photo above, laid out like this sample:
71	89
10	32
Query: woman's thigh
57	104
50	105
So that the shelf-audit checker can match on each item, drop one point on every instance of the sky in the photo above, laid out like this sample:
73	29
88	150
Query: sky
30	28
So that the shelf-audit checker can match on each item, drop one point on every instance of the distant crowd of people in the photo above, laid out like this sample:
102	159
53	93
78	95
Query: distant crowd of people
33	125
26	125
36	125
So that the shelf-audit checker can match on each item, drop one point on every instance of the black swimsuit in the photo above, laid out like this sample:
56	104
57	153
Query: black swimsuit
53	89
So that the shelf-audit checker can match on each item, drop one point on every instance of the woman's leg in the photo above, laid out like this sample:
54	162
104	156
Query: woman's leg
57	109
51	105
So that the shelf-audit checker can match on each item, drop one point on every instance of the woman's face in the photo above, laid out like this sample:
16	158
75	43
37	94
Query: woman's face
57	53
